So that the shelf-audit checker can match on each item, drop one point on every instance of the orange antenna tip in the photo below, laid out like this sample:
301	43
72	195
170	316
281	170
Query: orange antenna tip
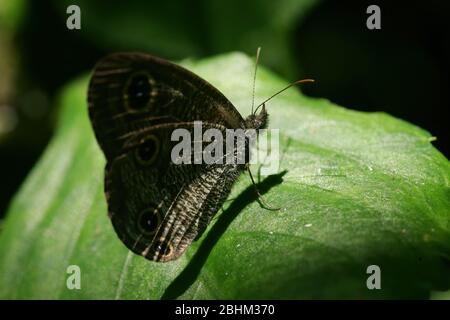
304	80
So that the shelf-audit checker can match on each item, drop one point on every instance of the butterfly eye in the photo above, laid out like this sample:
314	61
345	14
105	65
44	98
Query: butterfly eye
149	221
163	248
147	151
138	91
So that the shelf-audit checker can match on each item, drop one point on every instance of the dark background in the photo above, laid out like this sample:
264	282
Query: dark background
402	69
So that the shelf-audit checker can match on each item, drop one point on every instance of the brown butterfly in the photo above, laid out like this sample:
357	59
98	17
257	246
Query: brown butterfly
136	100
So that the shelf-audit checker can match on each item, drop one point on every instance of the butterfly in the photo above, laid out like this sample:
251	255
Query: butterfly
136	100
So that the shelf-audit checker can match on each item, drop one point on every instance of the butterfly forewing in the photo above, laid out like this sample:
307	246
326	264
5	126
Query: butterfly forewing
129	92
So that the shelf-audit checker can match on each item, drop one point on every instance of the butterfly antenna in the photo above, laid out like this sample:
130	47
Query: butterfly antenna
254	77
261	200
285	88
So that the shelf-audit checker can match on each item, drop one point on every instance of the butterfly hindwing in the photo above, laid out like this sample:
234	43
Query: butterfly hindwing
157	207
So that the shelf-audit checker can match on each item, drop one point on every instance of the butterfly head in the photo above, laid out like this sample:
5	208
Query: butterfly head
257	121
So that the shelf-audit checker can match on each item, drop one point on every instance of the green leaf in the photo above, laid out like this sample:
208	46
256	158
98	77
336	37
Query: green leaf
355	189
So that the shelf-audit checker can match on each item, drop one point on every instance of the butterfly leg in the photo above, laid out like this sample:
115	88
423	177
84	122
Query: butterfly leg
261	200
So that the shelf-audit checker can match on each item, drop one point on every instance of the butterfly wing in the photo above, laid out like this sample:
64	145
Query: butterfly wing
135	102
159	209
129	92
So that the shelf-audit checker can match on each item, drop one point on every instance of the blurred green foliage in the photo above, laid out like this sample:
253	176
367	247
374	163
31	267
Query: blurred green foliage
11	13
180	29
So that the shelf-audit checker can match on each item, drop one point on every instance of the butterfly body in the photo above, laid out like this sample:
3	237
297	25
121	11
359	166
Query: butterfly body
135	101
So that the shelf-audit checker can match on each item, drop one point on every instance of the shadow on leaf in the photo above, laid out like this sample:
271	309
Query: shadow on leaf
188	276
